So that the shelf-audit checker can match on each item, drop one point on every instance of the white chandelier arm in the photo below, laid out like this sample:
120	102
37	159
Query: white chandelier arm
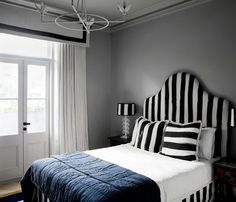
85	9
60	23
81	20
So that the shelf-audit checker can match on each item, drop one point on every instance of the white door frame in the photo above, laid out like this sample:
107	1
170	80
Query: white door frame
19	141
12	145
40	140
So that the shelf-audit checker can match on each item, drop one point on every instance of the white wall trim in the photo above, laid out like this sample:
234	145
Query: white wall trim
157	14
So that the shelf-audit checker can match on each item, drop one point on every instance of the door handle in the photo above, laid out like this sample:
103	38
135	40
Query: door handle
26	124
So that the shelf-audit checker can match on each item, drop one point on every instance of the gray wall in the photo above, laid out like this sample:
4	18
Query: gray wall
200	40
98	89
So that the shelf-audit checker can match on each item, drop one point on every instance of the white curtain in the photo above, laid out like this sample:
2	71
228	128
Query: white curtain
69	127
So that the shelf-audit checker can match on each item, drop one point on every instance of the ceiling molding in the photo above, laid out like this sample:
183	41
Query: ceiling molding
157	14
158	5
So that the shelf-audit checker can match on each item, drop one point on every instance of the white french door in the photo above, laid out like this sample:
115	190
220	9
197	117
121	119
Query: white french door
36	105
24	112
11	119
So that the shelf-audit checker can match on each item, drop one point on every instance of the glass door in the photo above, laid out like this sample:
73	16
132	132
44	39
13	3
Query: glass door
36	114
24	112
11	117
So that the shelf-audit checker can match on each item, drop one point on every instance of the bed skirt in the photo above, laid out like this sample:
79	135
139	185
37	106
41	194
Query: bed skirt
205	194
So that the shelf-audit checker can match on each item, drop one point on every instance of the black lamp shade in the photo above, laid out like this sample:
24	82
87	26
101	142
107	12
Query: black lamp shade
125	109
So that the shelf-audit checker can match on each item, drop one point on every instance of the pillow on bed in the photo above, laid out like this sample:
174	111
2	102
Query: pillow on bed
135	130
181	140
207	143
149	134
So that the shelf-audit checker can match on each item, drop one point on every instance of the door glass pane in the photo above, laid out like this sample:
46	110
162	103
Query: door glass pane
8	80
36	81
36	116
8	117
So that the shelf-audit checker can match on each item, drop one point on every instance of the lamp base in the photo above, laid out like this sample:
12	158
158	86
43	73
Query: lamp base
125	127
124	136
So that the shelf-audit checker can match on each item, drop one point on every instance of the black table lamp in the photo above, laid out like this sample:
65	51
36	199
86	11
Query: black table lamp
125	109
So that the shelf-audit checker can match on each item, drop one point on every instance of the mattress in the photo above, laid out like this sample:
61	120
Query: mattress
175	178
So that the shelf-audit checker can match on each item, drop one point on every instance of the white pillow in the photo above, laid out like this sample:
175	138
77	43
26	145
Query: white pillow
207	143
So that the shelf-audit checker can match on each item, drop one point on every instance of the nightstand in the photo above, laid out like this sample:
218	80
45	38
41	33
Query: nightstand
225	180
117	140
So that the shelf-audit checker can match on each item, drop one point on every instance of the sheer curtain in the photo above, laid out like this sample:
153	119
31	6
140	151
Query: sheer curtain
69	127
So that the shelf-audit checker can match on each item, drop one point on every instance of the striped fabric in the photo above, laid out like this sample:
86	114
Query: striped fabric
125	109
135	130
149	134
183	100
202	195
181	140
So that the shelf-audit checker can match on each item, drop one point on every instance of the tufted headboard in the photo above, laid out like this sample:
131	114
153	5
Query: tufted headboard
182	99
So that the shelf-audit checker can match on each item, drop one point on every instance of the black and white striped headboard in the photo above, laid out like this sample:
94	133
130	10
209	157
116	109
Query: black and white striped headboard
182	99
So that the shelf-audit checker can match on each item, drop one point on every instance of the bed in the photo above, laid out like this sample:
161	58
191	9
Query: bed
127	173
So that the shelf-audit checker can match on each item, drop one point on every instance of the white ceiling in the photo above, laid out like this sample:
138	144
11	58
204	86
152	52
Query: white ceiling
108	8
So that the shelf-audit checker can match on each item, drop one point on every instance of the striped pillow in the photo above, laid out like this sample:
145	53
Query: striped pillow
135	131
181	140
149	134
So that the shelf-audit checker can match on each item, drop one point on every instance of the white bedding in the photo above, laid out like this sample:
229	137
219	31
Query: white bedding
175	178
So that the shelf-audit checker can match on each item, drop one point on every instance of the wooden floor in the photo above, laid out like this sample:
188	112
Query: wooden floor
9	189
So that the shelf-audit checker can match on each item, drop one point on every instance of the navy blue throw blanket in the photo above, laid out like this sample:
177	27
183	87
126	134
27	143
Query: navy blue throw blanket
82	177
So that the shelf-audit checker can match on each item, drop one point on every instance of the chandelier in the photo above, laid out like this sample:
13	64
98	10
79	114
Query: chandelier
79	16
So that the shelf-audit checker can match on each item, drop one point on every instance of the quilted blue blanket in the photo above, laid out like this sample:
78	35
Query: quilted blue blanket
81	177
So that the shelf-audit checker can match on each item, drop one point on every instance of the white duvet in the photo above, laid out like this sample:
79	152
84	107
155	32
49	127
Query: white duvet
175	178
